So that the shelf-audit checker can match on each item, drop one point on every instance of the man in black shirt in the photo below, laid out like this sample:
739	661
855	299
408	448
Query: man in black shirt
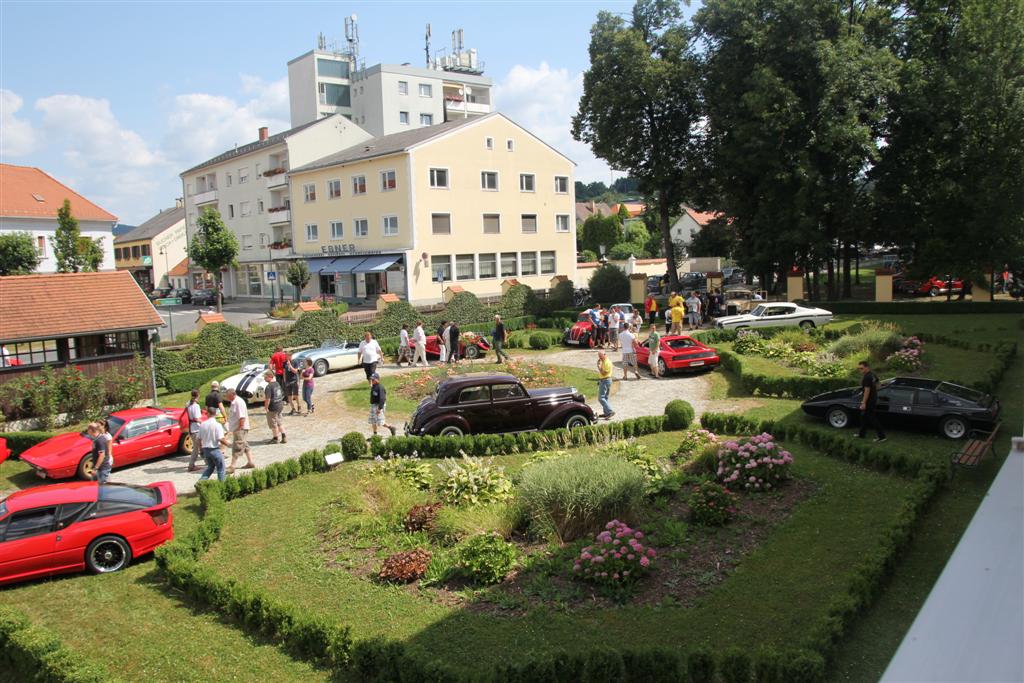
868	403
499	339
213	400
378	400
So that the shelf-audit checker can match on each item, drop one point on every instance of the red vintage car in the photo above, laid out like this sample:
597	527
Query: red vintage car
79	525
581	333
680	353
138	434
470	346
5	452
935	286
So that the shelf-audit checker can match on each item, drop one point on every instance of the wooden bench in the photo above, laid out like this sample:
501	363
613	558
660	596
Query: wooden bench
978	443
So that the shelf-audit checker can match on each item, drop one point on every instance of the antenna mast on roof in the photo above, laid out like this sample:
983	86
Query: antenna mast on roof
428	45
352	36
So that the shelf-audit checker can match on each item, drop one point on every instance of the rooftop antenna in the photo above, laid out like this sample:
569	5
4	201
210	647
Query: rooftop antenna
321	42
352	36
428	45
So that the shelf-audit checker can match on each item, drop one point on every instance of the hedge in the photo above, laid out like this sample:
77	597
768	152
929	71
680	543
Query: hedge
196	379
33	653
918	307
19	442
794	386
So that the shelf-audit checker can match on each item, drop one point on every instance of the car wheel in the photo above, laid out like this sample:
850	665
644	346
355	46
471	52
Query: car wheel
87	468
953	427
807	325
107	554
662	368
320	368
185	446
837	417
934	291
450	430
576	421
472	352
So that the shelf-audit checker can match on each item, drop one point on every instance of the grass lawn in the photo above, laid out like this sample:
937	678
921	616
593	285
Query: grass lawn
272	539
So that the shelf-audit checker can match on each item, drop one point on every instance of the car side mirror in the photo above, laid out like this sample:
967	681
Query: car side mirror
119	439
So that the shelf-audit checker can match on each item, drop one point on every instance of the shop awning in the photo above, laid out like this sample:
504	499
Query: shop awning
334	264
376	264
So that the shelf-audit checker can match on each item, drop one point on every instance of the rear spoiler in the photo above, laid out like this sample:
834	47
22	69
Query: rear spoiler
168	494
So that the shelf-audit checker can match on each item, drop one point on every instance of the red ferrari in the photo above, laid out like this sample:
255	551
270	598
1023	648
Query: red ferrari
139	434
82	525
679	352
469	346
5	452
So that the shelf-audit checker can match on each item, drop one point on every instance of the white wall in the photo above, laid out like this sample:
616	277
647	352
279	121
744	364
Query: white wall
685	229
174	241
302	94
47	228
332	135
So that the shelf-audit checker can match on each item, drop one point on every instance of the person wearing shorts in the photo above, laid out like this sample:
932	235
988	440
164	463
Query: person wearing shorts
654	349
378	400
238	425
627	342
369	355
404	349
274	402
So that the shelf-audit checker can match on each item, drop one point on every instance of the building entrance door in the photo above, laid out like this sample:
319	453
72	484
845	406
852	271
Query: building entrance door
376	283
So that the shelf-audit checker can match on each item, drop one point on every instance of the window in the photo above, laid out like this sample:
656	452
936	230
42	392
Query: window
143	425
312	232
337	230
492	223
32	353
333	189
362	227
441	268
509	264
332	68
547	262
528	265
465	267
441	223
403	118
488	265
387	181
264	239
530	222
489	180
506	392
137	252
562	223
145	250
334	95
243	175
359	184
30	523
309	191
561	184
71	512
489	143
117	253
41	246
390	226
426	119
426	90
475	394
526	182
403	89
231	214
510	145
228	179
106	344
439	177
243	209
246	241
259	206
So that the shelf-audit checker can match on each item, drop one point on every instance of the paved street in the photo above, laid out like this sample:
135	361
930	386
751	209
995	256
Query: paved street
239	313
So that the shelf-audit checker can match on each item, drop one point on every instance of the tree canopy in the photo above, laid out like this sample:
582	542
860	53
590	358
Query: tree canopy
67	250
18	254
213	247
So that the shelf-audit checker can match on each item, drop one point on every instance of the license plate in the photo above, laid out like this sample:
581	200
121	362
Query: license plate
572	341
696	362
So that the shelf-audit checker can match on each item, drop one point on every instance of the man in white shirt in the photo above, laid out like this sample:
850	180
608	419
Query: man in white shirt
369	355
419	338
211	437
693	311
195	417
613	327
627	342
238	425
404	352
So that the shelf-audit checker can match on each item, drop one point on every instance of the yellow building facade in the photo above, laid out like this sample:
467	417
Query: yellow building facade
468	202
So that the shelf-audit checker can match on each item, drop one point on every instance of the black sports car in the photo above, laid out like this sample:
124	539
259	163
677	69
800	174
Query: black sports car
912	403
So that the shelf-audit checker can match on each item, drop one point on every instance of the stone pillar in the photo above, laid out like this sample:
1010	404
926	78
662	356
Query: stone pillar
980	292
794	285
630	264
637	289
883	284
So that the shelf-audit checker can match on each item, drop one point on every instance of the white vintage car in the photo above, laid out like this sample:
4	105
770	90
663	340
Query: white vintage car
775	314
333	354
249	383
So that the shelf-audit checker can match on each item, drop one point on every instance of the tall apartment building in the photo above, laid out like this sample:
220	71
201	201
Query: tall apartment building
249	187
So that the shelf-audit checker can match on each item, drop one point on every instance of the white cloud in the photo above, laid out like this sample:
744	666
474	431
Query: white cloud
17	137
544	100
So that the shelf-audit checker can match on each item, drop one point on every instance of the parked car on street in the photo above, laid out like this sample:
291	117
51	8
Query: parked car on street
480	403
159	293
679	353
184	294
72	526
138	434
776	314
203	297
332	354
912	403
249	383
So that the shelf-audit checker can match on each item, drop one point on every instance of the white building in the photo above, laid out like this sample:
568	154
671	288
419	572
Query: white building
689	224
29	201
249	187
151	250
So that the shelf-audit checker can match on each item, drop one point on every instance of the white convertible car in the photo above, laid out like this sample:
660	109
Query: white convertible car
249	383
333	354
775	314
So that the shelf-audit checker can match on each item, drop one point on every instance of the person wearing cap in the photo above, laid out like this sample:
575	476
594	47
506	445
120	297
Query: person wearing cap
273	401
378	399
213	400
238	425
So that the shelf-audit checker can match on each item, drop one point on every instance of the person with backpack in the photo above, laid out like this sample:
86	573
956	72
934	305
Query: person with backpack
195	418
273	401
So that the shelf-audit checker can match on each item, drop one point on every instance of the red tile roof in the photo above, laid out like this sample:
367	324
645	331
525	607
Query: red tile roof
309	306
69	304
27	192
702	217
455	289
211	318
634	208
389	298
180	270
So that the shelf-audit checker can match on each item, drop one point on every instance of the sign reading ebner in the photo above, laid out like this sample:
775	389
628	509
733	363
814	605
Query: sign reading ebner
344	249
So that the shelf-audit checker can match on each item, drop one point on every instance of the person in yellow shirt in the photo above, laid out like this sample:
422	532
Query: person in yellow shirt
677	319
674	300
604	383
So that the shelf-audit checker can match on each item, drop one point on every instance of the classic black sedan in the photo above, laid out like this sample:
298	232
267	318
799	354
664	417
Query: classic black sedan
912	403
490	404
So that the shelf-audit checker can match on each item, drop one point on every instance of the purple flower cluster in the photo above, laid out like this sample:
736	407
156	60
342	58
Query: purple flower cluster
909	357
758	463
617	558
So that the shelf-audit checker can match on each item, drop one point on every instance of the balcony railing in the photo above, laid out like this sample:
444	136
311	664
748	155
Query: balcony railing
204	197
277	178
458	106
278	215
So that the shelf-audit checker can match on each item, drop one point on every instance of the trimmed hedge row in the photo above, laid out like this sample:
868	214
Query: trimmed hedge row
1004	353
19	442
33	653
794	386
919	307
196	379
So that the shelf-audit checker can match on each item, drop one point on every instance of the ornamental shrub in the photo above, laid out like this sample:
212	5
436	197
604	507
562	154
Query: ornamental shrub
749	343
197	379
166	363
617	559
421	517
405	567
712	505
609	284
878	340
679	414
408	469
473	481
313	327
353	446
561	295
464	308
694	441
574	495
756	463
636	454
539	341
221	344
908	358
484	559
389	322
513	302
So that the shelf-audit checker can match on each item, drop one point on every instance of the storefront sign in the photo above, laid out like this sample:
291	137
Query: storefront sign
344	250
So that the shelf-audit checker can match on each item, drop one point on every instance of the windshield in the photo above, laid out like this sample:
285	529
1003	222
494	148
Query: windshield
759	310
680	343
961	392
114	424
3	509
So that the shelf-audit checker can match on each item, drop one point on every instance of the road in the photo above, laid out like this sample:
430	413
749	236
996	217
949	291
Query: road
239	313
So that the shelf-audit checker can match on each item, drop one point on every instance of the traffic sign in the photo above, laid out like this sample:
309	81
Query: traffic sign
271	274
171	301
147	260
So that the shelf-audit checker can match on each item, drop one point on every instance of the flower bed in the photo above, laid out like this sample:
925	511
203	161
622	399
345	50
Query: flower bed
417	385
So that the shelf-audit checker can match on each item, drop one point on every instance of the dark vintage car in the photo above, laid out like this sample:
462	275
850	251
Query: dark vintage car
159	293
184	294
203	297
912	403
489	404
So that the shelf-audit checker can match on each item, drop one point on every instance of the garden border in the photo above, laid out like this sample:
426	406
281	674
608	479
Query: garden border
36	653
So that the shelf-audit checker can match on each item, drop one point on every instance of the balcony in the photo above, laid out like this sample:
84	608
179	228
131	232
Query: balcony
205	197
281	250
279	215
275	178
454	104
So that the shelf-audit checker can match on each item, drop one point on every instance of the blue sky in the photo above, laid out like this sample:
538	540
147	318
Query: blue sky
116	99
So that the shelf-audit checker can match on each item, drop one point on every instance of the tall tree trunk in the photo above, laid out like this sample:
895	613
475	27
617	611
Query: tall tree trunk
831	283
217	279
847	283
856	255
666	241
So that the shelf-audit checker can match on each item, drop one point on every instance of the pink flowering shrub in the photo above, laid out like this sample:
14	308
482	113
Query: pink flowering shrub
712	505
694	441
755	464
617	559
909	357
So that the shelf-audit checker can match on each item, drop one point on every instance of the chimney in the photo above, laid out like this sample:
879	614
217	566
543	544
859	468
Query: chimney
179	202
263	133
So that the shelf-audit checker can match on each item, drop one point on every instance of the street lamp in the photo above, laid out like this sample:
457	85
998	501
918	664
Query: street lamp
167	274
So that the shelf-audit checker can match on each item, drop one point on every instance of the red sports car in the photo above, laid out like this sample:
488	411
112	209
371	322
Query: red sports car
82	524
5	452
679	352
139	434
470	346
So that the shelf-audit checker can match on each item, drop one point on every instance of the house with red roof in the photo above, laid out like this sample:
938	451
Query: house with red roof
29	200
690	223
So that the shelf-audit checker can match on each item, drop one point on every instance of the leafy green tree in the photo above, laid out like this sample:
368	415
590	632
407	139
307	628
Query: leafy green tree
623	214
714	239
609	285
66	248
640	109
298	276
601	233
636	231
623	250
17	254
213	247
90	252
